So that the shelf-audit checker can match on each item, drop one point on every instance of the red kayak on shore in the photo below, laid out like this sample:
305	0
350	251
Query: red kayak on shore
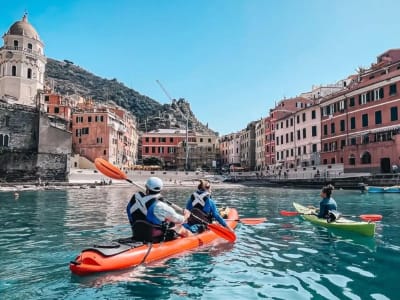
126	253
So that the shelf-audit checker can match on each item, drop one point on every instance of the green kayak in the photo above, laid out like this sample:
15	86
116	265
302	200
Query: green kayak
363	228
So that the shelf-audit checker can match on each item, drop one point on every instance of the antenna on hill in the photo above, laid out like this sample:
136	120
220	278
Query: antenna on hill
164	90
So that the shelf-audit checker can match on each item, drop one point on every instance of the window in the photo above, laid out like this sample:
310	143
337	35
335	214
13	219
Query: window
304	117
287	123
366	158
353	123
333	161
147	139
351	102
104	152
29	47
365	120
29	74
15	44
314	130
314	148
298	134
332	128
171	140
342	144
325	129
153	139
291	136
14	71
209	140
47	98
313	114
304	150
325	147
146	149
201	140
392	89
89	119
298	151
341	105
277	140
352	141
281	139
342	125
291	121
287	138
352	160
298	119
378	117
393	114
4	140
56	110
304	133
153	149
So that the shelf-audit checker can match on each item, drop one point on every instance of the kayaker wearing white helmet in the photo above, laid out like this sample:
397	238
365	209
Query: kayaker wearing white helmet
149	215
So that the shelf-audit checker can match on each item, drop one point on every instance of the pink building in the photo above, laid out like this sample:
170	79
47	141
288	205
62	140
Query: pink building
360	126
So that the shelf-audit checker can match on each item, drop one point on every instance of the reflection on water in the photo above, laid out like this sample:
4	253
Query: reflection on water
284	258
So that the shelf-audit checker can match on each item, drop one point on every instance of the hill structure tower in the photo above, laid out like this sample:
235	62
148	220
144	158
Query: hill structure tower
22	64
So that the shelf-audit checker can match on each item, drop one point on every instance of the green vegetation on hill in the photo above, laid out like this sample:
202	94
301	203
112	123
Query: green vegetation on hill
68	79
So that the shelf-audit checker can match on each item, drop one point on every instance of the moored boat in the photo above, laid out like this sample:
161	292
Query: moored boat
126	253
363	228
381	189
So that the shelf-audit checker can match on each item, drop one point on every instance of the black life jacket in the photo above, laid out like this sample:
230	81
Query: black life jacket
142	229
198	215
139	205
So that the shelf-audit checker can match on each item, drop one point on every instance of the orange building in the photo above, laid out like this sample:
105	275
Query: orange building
360	126
57	105
104	131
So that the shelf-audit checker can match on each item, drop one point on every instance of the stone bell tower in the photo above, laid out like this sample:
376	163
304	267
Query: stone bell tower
22	64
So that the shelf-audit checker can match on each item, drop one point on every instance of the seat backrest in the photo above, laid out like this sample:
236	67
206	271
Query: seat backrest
146	232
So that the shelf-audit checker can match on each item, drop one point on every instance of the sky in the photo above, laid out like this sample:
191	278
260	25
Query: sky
232	60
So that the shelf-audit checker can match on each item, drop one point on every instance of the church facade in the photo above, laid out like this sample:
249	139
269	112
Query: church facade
31	145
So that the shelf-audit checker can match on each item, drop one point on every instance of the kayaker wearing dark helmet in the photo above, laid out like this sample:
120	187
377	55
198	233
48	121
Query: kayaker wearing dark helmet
203	207
327	204
149	215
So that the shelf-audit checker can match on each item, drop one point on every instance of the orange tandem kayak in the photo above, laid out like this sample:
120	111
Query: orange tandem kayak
126	254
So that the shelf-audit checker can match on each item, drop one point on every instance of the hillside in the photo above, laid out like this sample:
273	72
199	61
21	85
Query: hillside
67	78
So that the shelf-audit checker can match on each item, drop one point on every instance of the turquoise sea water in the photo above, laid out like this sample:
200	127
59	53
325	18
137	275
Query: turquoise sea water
284	258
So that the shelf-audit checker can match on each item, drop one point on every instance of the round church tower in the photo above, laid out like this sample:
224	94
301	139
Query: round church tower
22	64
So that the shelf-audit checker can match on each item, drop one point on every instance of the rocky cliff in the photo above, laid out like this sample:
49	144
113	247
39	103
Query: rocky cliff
67	78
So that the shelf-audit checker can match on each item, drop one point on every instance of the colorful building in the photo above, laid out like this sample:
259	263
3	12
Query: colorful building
360	126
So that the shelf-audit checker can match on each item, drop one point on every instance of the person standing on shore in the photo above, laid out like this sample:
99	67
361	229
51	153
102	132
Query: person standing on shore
202	209
150	217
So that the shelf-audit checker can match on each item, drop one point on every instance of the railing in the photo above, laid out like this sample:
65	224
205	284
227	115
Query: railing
26	50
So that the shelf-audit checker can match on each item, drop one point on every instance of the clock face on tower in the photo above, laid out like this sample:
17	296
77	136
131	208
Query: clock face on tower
9	54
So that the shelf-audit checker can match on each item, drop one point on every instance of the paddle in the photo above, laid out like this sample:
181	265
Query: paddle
368	218
249	221
112	171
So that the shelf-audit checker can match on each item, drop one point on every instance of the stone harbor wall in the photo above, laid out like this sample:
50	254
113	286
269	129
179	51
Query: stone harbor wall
22	157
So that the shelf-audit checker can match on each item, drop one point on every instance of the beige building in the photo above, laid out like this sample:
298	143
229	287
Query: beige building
247	146
22	64
260	145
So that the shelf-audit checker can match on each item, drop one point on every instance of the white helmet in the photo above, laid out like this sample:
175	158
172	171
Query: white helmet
154	184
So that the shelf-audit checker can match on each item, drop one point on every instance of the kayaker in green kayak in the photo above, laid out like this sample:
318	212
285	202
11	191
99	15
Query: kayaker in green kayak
327	206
